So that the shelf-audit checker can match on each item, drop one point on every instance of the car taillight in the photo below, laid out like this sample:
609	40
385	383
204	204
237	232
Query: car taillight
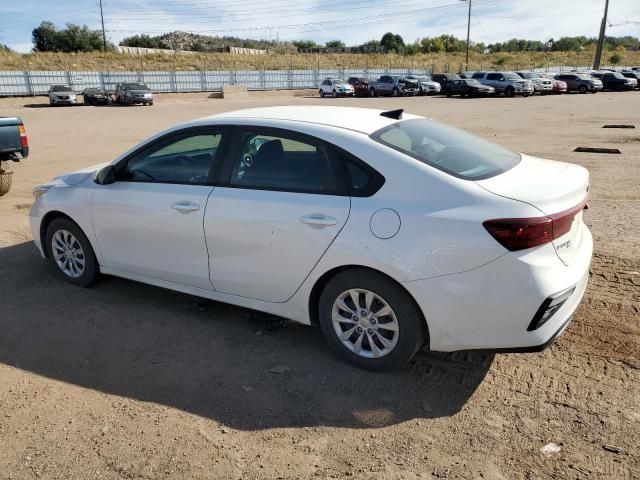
24	142
522	233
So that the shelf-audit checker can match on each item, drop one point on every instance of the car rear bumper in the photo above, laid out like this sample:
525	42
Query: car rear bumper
491	307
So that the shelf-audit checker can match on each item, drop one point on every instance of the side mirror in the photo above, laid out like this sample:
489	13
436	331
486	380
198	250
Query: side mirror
106	175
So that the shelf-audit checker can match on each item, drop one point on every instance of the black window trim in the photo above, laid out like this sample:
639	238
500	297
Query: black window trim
175	135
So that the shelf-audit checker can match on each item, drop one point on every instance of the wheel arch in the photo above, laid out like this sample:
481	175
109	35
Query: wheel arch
46	221
325	278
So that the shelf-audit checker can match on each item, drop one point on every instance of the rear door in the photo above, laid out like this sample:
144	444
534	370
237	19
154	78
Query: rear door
276	210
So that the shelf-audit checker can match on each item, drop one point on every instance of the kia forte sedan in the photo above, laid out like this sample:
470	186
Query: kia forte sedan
388	230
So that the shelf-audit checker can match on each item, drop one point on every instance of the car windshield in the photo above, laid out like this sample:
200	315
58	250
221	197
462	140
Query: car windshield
135	86
531	75
584	76
511	76
617	74
61	88
454	151
472	81
395	78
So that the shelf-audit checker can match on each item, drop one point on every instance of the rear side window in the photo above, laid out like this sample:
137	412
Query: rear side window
361	179
454	151
494	76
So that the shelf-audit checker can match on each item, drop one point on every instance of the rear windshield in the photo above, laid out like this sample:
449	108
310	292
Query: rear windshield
135	86
454	151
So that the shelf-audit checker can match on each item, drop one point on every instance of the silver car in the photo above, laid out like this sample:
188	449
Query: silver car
130	93
541	84
426	84
62	95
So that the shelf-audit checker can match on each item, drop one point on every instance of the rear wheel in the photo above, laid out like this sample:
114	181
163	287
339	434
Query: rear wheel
509	92
370	321
582	89
373	93
321	93
70	252
395	92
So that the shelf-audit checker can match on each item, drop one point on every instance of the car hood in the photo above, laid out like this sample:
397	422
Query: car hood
430	84
63	94
138	92
79	176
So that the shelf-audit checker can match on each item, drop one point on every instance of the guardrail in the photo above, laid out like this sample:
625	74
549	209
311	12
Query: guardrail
29	83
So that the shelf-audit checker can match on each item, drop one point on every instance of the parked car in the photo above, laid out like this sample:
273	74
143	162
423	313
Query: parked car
426	85
470	87
95	96
615	81
335	87
360	86
394	85
131	93
558	85
580	82
368	223
444	79
541	84
508	83
633	75
14	146
62	95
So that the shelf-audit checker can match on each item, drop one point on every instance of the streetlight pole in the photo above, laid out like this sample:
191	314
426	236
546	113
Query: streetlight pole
603	26
468	32
104	36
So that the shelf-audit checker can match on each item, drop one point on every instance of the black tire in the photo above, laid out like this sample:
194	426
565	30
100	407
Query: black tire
448	95
321	93
395	92
582	89
412	330
509	92
334	94
90	272
525	95
372	92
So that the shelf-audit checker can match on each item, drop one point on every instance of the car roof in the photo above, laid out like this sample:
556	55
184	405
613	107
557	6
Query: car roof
365	120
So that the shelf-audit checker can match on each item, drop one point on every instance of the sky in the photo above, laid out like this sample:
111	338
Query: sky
353	21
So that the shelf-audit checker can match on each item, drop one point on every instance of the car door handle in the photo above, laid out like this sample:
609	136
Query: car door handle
319	220
185	207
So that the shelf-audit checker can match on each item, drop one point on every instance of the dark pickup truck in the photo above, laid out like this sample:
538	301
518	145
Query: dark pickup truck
14	146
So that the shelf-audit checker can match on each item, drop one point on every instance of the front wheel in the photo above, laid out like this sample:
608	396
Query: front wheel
509	92
373	93
395	92
370	320
321	93
582	89
70	252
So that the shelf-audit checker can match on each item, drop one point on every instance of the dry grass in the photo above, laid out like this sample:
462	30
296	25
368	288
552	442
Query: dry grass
220	61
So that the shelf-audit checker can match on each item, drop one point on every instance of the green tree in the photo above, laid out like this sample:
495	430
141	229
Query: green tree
74	38
143	41
615	59
334	44
4	48
392	43
44	38
305	44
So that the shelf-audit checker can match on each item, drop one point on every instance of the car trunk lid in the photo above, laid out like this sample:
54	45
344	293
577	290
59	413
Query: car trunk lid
557	189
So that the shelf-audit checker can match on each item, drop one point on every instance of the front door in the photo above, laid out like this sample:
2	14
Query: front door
276	211
150	221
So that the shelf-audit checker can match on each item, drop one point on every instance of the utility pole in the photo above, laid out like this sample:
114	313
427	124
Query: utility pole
468	32
603	26
104	36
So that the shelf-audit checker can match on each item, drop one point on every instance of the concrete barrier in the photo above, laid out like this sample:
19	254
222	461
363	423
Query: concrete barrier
234	91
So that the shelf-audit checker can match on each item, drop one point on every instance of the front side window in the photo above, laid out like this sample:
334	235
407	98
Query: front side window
494	76
448	149
185	159
477	75
280	162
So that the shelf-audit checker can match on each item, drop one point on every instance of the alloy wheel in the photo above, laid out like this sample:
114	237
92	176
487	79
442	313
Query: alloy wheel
365	323
68	253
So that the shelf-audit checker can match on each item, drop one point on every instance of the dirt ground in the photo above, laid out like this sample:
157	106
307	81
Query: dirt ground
124	380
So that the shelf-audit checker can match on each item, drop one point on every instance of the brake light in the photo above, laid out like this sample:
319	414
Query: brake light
24	142
522	233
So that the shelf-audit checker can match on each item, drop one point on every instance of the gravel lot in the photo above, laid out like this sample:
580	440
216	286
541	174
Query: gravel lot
124	380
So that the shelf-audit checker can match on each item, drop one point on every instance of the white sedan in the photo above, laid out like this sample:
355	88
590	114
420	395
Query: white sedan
388	230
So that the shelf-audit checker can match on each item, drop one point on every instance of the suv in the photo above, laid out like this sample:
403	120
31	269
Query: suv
444	79
540	84
130	93
95	96
335	87
580	82
394	85
426	85
360	86
508	83
62	95
615	81
633	74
